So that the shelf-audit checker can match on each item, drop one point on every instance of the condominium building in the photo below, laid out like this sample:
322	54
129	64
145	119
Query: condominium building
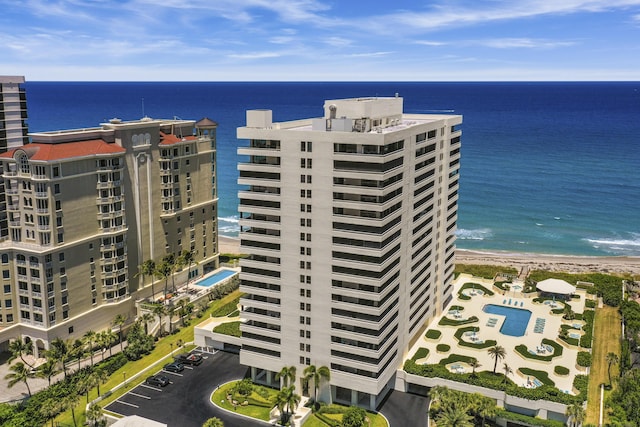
13	130
349	221
87	207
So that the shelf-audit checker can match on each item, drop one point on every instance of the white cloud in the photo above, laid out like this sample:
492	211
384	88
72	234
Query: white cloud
254	55
510	43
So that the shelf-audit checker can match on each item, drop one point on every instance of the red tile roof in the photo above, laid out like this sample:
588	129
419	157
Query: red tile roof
66	150
170	139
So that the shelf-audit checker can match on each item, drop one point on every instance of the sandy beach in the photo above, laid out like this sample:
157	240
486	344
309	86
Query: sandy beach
566	263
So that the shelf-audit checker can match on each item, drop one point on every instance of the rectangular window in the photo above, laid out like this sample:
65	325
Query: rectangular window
303	146
309	146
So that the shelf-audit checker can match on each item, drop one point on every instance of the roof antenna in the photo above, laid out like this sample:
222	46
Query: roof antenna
143	108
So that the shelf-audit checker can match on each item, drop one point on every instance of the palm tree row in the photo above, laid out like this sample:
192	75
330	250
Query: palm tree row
457	409
168	265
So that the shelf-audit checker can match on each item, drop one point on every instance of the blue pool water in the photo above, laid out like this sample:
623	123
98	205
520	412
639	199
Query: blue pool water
516	319
215	278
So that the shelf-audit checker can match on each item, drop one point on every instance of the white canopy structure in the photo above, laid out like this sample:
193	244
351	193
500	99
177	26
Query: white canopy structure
556	286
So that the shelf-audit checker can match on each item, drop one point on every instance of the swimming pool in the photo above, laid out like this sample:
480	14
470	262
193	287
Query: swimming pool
215	278
516	319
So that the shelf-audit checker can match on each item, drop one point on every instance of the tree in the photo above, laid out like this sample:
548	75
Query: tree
187	258
354	417
70	402
78	350
107	338
94	415
145	319
90	337
474	365
60	351
507	371
147	268
287	374
287	401
317	375
612	359
19	349
171	311
51	408
20	373
159	311
454	416
48	369
101	377
484	407
213	422
497	353
138	343
576	414
119	321
163	271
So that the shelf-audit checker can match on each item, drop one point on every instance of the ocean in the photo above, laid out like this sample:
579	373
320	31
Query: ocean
546	167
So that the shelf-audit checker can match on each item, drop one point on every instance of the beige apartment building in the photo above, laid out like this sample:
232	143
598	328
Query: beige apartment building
86	207
350	221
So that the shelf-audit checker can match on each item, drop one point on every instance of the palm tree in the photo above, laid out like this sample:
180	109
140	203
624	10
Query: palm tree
145	319
147	268
19	374
187	258
159	311
474	365
507	371
48	369
101	377
454	416
108	338
287	401
576	414
60	351
316	375
497	352
119	321
612	359
287	374
163	271
171	311
19	348
70	402
90	337
485	407
94	414
51	408
172	265
213	422
78	350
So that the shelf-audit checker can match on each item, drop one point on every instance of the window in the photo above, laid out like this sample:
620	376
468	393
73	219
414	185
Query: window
59	221
303	178
61	256
309	146
9	318
7	289
58	205
8	303
303	146
56	171
5	274
5	258
303	163
302	320
56	188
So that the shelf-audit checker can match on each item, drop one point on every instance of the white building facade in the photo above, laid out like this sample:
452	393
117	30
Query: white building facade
350	223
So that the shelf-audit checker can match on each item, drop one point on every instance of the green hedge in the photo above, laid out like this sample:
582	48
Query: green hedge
420	354
471	285
557	351
229	328
433	334
541	375
584	359
226	309
512	416
497	382
453	358
585	340
561	370
590	303
461	331
443	348
445	321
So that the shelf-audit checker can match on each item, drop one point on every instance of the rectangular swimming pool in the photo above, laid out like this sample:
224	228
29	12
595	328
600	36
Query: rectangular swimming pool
516	319
215	278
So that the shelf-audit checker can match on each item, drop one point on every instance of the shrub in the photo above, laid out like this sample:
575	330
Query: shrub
512	416
471	285
420	354
443	348
113	363
585	340
445	321
557	351
561	370
590	303
433	334
584	359
461	331
541	375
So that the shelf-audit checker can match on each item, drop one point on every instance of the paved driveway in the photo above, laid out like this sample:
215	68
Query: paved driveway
404	409
185	402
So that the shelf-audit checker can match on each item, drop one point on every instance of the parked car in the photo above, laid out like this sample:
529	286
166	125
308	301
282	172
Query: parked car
158	380
174	367
189	359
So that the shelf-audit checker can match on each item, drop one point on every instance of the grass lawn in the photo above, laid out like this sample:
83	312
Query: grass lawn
254	411
606	338
161	351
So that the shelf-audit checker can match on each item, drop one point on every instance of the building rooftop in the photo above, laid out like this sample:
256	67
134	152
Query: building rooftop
48	152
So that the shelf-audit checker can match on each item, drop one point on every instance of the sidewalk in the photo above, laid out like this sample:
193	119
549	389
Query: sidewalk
19	391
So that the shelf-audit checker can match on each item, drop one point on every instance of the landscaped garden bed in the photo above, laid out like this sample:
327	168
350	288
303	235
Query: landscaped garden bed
523	350
433	334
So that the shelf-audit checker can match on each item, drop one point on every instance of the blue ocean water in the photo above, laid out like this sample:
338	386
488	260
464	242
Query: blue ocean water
546	167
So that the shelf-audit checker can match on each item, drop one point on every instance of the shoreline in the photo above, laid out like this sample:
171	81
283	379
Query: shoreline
534	261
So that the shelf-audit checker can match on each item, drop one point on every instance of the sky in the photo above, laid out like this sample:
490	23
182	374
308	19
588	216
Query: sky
329	40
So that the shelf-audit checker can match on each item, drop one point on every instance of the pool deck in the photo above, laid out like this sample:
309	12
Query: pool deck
485	331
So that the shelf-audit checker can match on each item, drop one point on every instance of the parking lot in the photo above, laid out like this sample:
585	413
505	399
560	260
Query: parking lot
185	401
